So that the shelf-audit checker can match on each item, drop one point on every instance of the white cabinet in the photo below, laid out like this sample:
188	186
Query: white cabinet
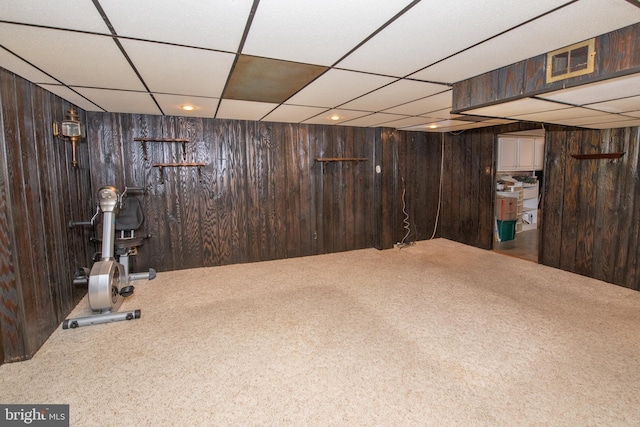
507	154
530	206
520	154
539	154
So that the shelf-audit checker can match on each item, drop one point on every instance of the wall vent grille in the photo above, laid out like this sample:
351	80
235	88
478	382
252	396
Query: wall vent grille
571	61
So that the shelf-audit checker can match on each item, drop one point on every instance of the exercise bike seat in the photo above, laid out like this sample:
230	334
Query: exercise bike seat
129	219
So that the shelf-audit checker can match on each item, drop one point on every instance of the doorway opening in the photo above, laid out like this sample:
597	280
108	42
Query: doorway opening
518	190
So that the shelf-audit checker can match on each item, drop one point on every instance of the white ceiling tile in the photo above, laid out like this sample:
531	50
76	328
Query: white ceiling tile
323	31
293	113
619	105
172	69
605	90
550	32
423	106
315	32
499	121
445	113
335	87
616	124
23	69
171	105
69	14
71	96
583	121
430	32
442	126
557	116
89	60
516	108
344	115
215	24
448	123
119	101
468	125
407	121
393	95
243	110
374	119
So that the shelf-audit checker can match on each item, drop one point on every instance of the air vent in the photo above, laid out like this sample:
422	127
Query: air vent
571	61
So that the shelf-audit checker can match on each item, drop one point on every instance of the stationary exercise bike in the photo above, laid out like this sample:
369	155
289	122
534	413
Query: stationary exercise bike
109	280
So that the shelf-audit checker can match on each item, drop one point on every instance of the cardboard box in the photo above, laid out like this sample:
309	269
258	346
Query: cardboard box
506	208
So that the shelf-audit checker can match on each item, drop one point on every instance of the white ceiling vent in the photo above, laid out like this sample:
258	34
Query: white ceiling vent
571	61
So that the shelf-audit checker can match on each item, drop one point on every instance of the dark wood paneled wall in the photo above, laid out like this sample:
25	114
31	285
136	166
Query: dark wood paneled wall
410	164
40	194
591	207
467	215
617	53
262	194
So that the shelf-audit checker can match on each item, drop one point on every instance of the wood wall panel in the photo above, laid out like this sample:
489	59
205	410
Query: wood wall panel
617	54
410	161
590	211
262	195
41	194
466	214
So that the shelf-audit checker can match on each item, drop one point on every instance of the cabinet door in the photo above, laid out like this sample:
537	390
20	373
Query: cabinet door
507	154
526	153
539	154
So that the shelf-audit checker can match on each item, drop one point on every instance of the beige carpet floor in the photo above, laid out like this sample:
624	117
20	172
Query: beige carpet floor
437	334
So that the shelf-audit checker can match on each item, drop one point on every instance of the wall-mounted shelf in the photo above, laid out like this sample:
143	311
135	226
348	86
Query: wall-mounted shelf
341	159
161	167
144	141
598	156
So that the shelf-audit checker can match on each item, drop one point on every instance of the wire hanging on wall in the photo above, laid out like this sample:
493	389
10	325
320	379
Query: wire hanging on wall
435	226
407	224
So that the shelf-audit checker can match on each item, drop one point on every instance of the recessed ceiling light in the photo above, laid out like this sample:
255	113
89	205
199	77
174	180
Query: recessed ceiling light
433	126
188	107
335	117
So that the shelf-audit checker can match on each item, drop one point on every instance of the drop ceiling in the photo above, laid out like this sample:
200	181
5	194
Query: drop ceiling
368	62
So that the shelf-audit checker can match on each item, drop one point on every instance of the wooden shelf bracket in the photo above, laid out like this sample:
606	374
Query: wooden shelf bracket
144	141
161	167
598	156
341	159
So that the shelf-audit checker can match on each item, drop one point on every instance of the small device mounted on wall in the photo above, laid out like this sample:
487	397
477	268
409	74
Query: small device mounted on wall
71	129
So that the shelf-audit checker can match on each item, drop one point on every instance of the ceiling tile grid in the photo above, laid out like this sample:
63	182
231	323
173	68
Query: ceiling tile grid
293	113
75	59
185	71
381	63
71	96
323	31
336	116
394	94
80	15
215	24
244	110
574	23
120	101
336	87
171	105
24	69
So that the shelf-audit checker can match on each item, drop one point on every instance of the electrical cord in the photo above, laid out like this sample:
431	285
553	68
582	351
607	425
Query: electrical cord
435	226
406	222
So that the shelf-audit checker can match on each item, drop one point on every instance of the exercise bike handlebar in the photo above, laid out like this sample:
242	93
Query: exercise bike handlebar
72	224
83	223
